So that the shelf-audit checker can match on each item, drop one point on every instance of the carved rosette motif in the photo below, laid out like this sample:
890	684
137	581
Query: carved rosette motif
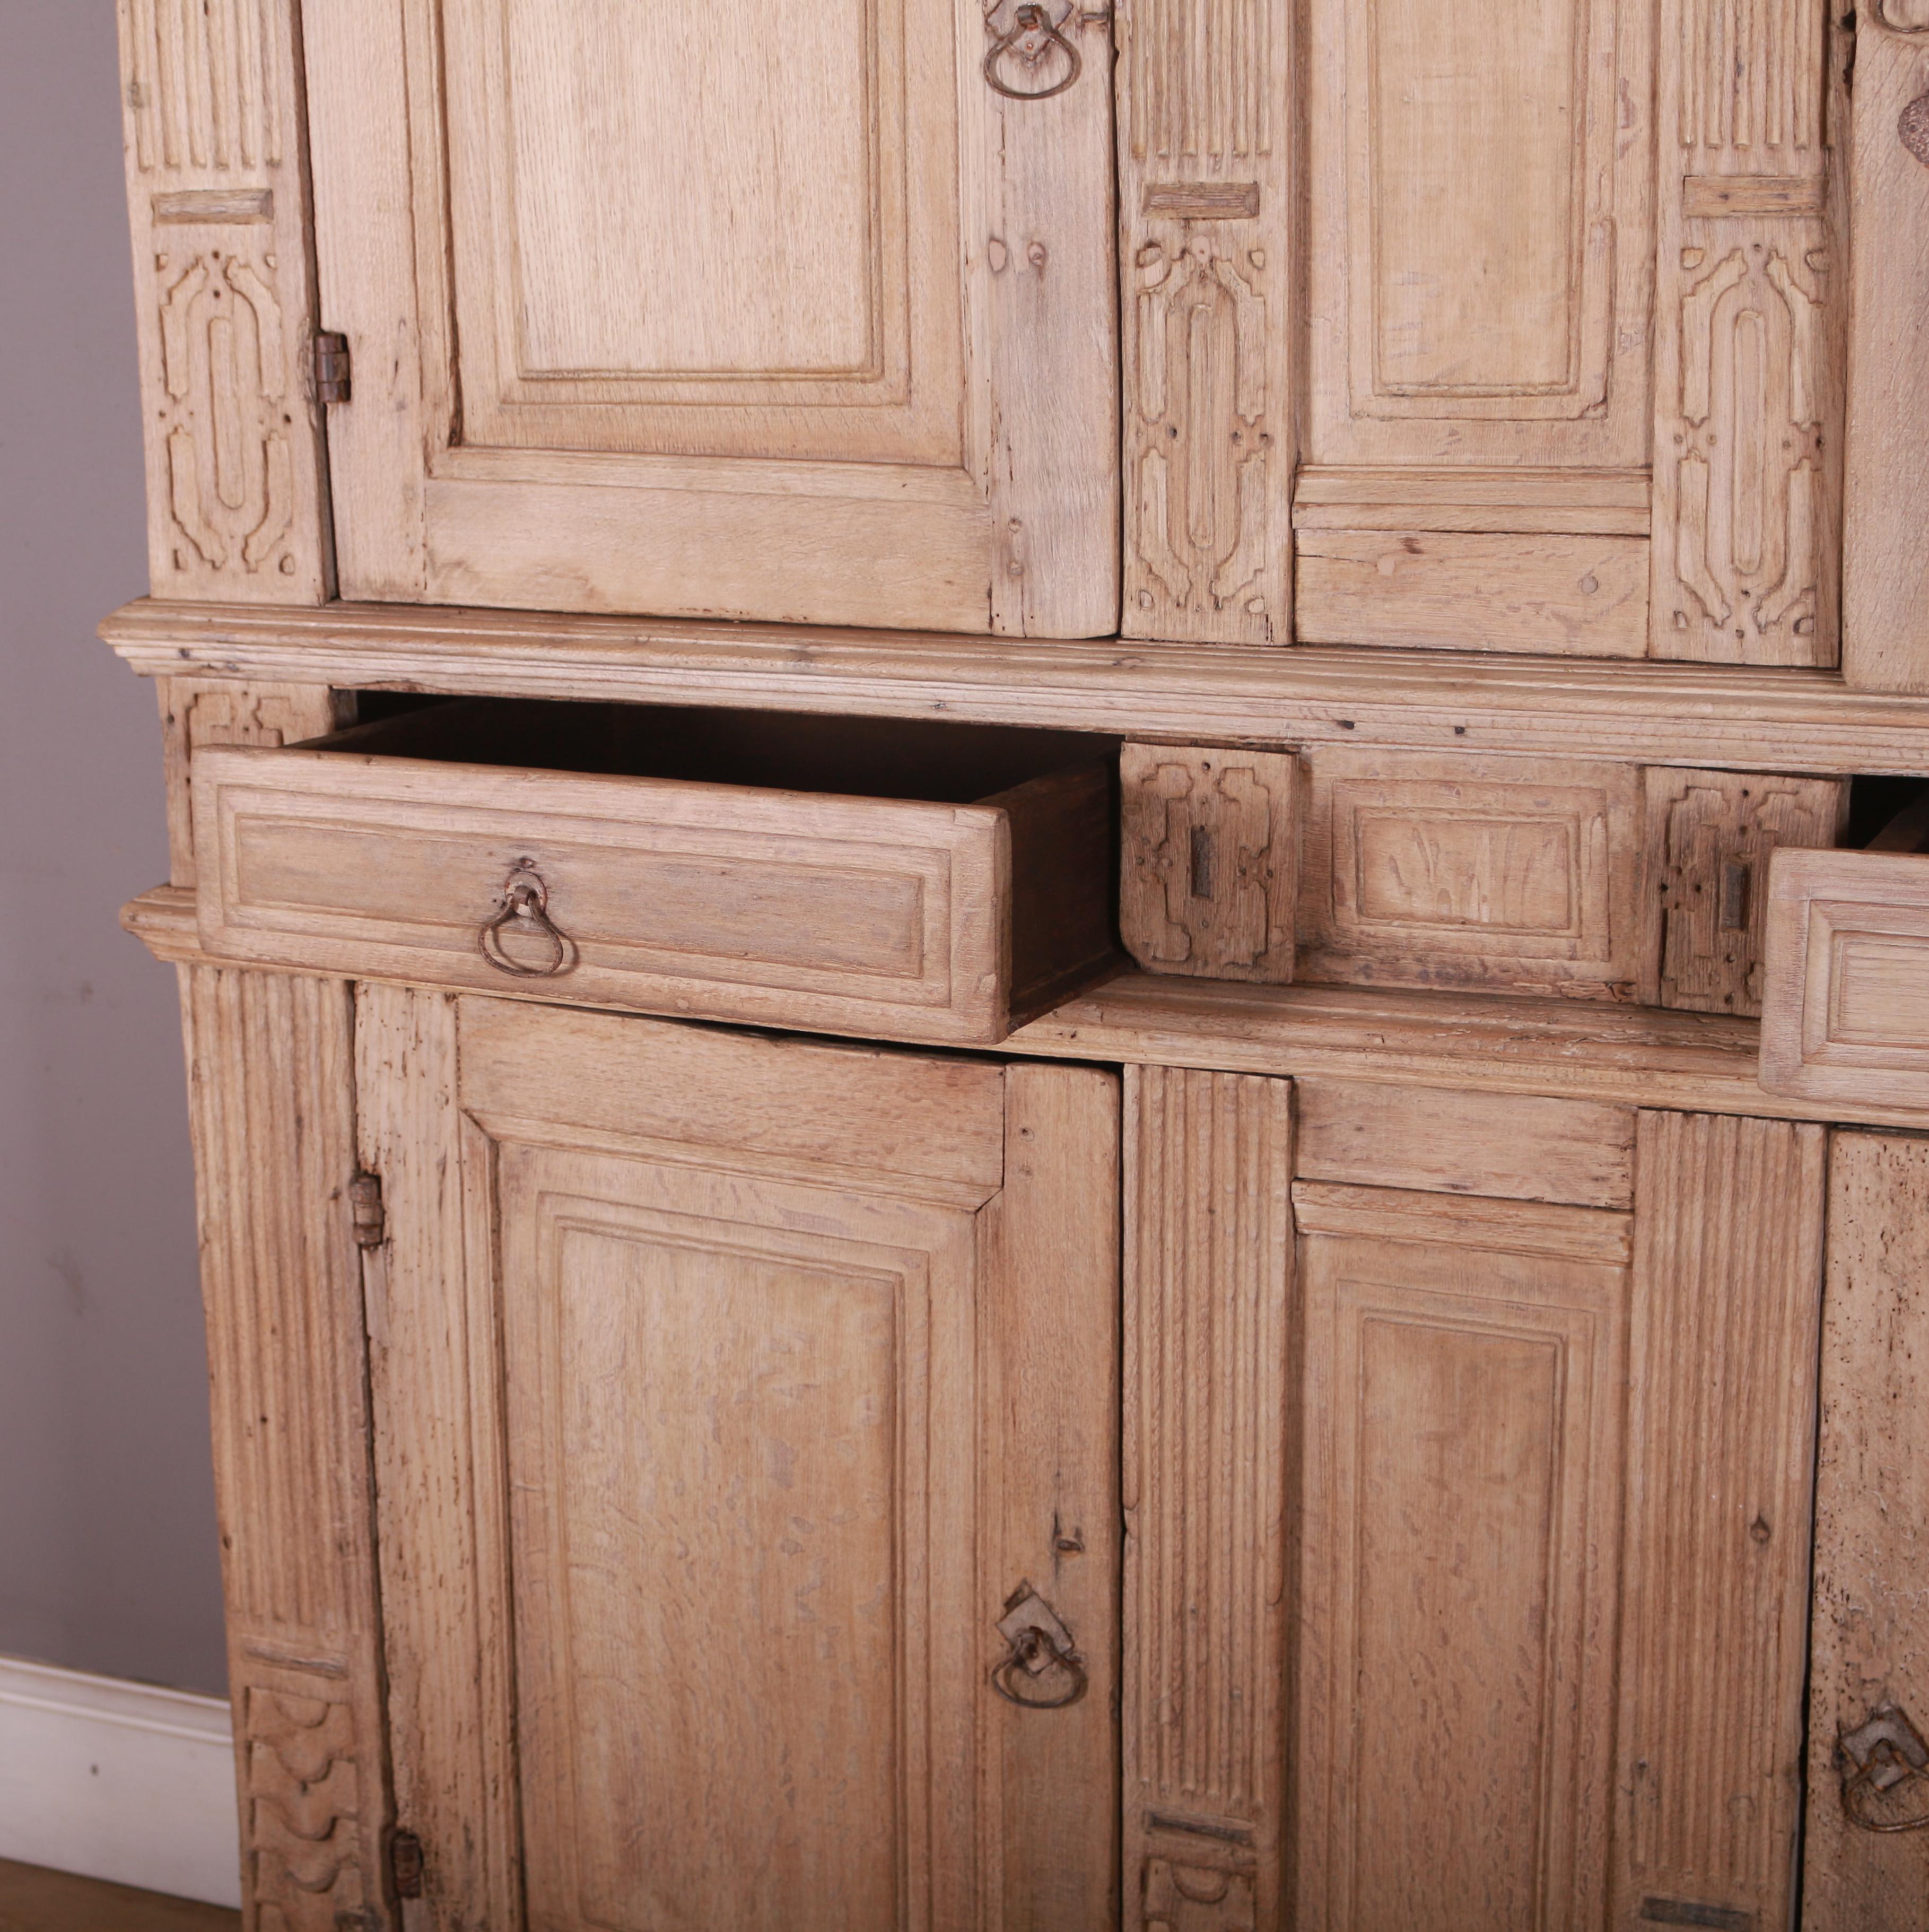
224	362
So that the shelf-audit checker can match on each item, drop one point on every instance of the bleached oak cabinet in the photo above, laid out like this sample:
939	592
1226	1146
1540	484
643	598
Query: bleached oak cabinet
1050	920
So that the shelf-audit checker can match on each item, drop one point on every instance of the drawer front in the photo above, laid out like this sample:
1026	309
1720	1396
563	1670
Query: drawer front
1513	875
836	914
1846	1009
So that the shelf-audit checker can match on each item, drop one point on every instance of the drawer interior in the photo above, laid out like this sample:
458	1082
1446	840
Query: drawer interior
905	759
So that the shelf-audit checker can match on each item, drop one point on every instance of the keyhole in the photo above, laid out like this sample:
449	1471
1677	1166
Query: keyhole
1201	862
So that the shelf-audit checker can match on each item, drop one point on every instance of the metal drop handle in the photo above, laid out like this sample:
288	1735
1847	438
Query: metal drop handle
1029	40
1042	1670
1885	1753
525	909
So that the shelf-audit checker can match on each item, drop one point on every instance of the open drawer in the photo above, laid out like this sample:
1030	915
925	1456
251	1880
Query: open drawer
1845	1013
904	879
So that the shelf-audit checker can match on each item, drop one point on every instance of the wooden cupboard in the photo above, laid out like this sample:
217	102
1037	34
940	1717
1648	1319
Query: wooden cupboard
1394	1409
1477	329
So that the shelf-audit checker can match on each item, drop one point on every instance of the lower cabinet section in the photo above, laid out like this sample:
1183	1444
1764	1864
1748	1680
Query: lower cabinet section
673	1478
1468	1535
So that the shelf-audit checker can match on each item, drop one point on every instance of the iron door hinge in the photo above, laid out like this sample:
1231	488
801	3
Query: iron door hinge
332	367
405	1864
371	1217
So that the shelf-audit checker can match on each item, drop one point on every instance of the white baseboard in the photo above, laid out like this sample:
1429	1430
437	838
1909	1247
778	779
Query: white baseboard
117	1781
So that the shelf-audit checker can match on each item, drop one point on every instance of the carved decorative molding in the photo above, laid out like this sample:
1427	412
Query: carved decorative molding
1727	1296
1200	81
1747	413
224	414
304	1793
195	712
1204	194
219	212
202	79
1210	861
272	1109
1710	834
1208	1276
1186	1898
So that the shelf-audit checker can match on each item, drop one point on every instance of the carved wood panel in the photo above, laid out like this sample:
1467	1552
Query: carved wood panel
217	204
1515	874
1462	1397
1208	1281
195	712
1727	1311
1748	338
271	1098
1210	867
1709	836
1205	183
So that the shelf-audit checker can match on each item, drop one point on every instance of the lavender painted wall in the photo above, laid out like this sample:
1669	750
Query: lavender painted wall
108	1556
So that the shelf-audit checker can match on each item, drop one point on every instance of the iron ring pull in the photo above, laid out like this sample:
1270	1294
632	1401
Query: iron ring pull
1856	1807
525	909
1028	1648
1881	1755
1032	18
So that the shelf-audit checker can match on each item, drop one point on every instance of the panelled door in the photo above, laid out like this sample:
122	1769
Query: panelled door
1468	1480
805	314
745	1416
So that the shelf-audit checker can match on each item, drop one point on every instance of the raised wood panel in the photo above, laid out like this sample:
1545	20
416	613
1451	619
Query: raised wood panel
271	1098
1556	595
1710	836
1870	1636
1479	185
1721	1477
1749	313
1209	862
225	301
844	1346
204	711
1209	1267
1205	216
880	386
1462	1442
1457	1142
1845	1008
733	1581
1513	875
1885	562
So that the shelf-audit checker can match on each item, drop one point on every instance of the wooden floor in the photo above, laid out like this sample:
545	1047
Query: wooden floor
33	1901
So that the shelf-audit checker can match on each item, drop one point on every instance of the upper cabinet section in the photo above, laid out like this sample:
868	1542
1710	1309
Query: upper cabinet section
1555	290
806	317
1487	326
